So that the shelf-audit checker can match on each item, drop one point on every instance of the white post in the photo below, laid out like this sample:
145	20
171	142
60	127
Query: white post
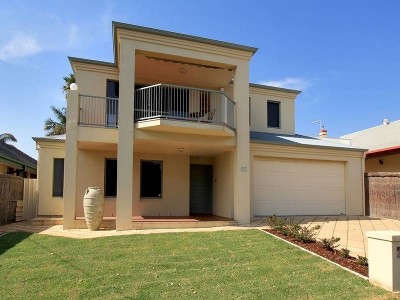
241	201
384	259
71	154
125	137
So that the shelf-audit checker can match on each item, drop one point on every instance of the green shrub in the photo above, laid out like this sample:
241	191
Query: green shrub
362	260
345	253
284	225
331	243
307	235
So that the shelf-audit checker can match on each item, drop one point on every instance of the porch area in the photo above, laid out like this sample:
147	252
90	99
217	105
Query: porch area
144	223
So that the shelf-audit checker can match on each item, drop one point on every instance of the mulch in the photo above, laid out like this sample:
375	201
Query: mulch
349	263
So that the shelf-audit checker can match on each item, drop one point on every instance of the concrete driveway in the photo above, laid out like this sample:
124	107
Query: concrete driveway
350	229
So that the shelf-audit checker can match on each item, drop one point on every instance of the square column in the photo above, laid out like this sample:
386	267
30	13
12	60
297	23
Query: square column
384	259
241	197
125	137
70	163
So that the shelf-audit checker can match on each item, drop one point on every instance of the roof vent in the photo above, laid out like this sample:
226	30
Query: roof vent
385	122
323	132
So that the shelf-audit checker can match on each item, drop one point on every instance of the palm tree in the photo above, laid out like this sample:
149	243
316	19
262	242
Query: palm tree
67	82
56	127
7	137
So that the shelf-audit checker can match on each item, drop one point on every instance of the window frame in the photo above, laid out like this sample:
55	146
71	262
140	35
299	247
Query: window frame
279	115
105	178
161	178
54	179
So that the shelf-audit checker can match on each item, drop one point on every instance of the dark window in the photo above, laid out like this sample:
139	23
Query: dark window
58	177
112	89
273	114
112	92
110	178
150	179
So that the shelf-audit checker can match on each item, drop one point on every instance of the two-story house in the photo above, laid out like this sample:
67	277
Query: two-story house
172	128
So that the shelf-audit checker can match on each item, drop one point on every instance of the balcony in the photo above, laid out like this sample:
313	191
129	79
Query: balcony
164	107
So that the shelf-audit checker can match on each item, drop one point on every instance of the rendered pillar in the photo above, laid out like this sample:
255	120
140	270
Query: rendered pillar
125	137
70	162
241	198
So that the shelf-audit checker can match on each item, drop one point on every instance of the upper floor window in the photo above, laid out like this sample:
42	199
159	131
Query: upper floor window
273	114
112	89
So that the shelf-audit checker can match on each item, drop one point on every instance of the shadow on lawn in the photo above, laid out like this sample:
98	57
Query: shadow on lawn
11	239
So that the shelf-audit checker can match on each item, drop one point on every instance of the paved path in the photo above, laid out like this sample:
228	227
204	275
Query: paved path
350	229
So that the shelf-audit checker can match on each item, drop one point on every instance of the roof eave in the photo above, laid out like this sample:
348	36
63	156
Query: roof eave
268	87
119	25
308	146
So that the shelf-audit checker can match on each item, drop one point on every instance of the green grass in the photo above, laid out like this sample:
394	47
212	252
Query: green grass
246	264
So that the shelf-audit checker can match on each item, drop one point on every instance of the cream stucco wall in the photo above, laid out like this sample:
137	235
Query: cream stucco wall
47	204
175	186
223	185
258	114
353	161
390	163
91	167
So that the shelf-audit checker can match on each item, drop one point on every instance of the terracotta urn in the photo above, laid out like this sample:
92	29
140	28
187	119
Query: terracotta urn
93	206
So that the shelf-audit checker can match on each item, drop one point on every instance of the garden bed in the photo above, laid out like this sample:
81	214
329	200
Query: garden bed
316	247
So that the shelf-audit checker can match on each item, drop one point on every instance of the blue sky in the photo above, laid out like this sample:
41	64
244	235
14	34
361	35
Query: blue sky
343	55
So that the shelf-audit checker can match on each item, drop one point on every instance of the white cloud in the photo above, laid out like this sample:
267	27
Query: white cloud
72	40
290	83
21	45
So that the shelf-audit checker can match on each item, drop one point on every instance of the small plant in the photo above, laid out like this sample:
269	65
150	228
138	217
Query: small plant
307	235
362	260
345	253
330	244
276	223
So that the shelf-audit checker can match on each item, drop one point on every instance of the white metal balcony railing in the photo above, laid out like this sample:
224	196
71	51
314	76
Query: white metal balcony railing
184	103
162	101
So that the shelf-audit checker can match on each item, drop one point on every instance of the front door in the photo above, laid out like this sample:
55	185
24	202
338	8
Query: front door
201	182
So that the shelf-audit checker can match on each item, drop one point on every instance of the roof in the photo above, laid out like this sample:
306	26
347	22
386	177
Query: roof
11	153
187	37
383	152
268	87
192	38
299	140
378	137
51	138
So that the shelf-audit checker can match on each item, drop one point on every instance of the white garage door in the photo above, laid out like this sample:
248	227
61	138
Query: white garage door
297	187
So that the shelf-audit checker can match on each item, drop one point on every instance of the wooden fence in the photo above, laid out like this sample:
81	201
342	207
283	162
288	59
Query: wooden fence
30	199
18	198
11	190
382	194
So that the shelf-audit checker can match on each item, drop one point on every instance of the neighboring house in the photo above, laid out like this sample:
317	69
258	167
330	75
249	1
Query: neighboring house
14	161
383	143
172	127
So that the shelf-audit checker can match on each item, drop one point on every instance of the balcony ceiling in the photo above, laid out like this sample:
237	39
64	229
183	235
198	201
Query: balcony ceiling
158	68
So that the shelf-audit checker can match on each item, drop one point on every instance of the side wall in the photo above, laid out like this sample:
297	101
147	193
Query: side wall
223	185
91	165
354	168
390	163
175	187
258	109
47	204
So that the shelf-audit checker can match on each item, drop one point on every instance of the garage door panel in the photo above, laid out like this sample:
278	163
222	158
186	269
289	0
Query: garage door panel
298	187
292	179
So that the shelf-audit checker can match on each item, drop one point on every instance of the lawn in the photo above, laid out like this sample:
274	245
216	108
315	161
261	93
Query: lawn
244	264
